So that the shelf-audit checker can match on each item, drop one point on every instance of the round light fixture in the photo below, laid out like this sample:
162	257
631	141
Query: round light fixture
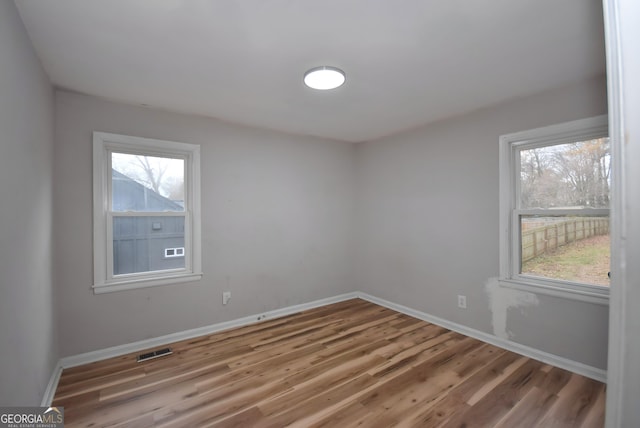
324	78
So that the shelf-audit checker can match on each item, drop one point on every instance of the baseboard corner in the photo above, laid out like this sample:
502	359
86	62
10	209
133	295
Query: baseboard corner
50	391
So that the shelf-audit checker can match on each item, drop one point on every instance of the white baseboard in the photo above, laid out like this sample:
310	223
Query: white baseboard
115	351
47	398
527	351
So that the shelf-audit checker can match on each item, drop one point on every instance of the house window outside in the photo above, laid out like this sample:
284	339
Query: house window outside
146	200
554	209
174	252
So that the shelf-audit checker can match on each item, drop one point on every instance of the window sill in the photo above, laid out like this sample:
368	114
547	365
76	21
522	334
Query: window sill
589	295
132	284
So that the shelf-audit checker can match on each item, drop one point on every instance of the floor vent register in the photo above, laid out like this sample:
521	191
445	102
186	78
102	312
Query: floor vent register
154	354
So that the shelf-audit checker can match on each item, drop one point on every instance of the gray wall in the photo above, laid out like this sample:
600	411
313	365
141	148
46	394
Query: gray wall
427	225
284	215
276	225
279	213
27	329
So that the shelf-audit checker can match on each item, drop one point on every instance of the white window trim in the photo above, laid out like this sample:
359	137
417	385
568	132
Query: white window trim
103	281
509	241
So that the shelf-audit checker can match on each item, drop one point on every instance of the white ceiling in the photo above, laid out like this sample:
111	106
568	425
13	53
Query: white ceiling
408	62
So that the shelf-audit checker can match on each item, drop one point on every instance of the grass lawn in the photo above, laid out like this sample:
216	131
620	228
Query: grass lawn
586	261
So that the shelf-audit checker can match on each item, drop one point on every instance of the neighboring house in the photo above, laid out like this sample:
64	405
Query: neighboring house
148	243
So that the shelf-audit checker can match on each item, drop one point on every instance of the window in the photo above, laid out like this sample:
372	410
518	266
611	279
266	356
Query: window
174	252
554	209
146	212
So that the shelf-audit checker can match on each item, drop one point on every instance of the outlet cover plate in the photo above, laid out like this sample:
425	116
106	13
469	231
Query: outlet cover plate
226	295
462	301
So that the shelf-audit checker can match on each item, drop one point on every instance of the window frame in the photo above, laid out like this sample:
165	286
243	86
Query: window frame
510	212
104	281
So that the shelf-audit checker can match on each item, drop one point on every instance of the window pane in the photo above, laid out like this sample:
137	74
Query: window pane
146	183
566	175
566	248
139	243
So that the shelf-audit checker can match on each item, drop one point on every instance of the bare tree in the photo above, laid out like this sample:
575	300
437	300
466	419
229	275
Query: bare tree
586	167
575	174
537	178
162	175
152	173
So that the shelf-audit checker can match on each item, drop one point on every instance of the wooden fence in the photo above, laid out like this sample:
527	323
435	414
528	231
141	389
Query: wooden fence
542	239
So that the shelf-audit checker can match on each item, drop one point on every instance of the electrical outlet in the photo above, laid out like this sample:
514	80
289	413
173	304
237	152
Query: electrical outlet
226	295
462	301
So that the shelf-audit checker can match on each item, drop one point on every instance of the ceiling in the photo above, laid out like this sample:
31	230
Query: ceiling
408	62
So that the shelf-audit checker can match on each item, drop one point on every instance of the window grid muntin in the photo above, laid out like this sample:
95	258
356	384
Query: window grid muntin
579	130
110	149
517	212
103	143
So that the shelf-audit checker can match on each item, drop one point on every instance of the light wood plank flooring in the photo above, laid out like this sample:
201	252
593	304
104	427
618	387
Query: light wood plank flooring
348	364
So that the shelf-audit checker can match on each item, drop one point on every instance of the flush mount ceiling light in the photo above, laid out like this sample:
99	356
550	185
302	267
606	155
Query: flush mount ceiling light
324	78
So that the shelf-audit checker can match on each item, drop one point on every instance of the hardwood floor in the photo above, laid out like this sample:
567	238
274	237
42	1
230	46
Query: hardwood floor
348	364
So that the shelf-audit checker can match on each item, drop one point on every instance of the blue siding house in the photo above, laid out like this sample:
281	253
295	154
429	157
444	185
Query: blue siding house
147	243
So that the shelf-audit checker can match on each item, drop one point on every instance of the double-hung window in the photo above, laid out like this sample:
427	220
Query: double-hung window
554	209
146	212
